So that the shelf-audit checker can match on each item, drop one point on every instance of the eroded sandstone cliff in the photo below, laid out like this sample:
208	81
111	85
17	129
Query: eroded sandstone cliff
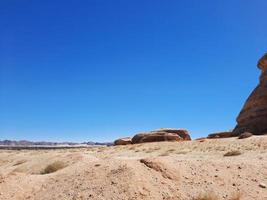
253	116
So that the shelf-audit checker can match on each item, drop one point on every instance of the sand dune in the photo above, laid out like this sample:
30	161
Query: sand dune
164	170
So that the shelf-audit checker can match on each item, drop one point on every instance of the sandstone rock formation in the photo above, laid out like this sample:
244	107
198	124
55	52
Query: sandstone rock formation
123	141
161	135
220	135
155	137
245	135
253	116
181	132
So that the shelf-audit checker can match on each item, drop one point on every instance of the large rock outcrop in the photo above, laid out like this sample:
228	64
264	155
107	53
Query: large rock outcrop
162	135
253	116
155	137
181	132
123	141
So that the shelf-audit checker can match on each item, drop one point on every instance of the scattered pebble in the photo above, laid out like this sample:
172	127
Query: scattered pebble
262	185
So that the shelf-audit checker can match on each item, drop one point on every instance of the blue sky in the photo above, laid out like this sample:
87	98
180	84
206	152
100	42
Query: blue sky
99	70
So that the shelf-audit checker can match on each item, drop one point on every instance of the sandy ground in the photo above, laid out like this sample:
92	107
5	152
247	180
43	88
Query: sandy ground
156	171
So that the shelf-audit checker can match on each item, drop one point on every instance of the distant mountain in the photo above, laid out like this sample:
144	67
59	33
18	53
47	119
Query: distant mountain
99	143
104	143
43	143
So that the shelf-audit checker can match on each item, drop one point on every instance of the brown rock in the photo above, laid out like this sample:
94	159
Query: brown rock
253	116
245	135
155	137
220	135
123	141
165	134
181	132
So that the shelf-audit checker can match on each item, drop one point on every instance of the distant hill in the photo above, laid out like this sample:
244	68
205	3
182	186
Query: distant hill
43	143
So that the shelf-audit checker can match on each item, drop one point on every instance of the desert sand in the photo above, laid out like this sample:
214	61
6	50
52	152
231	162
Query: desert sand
162	170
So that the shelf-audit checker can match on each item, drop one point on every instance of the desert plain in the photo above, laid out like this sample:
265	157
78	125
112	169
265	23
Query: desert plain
228	168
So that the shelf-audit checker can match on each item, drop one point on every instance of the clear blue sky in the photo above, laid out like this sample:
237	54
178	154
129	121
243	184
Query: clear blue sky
98	70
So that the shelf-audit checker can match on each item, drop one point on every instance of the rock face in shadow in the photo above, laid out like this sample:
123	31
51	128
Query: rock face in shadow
253	116
161	135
